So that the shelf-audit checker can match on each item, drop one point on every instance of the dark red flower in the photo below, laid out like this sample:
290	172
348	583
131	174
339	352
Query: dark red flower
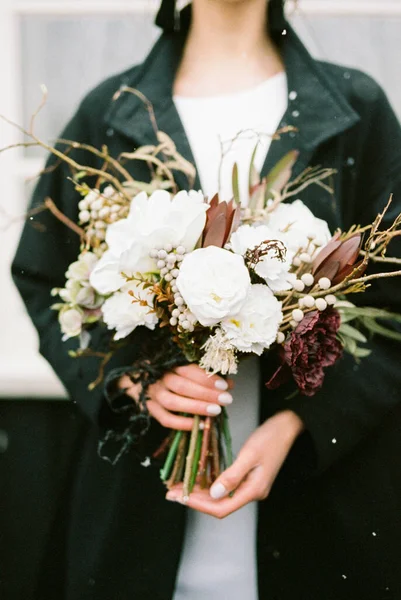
311	347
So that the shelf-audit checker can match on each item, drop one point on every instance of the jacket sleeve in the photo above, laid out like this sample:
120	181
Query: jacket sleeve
45	250
355	397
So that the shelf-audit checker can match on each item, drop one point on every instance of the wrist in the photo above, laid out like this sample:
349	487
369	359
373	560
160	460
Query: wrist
291	424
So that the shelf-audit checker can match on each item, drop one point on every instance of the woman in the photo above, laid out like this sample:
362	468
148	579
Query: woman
235	66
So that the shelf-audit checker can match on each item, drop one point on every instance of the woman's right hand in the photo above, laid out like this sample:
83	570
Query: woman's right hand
187	389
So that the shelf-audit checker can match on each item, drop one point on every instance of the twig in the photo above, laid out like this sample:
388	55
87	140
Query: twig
63	218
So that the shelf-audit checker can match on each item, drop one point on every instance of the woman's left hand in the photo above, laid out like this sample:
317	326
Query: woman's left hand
252	474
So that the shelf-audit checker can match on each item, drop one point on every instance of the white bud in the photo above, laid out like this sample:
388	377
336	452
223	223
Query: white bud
113	217
171	258
280	337
321	303
160	264
104	212
163	271
185	324
168	277
331	299
175	272
175	313
308	301
115	208
324	283
305	257
174	289
319	243
83	204
173	321
294	324
181	317
168	247
180	250
162	254
153	253
296	261
84	216
179	300
191	317
100	234
297	314
100	225
298	285
308	279
94	214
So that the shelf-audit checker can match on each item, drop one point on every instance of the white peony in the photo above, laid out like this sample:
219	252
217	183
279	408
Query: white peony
255	327
295	222
122	313
152	222
81	269
270	267
213	283
71	321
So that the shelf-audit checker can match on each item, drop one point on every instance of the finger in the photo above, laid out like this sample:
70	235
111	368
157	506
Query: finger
173	402
231	478
198	375
190	389
167	419
200	500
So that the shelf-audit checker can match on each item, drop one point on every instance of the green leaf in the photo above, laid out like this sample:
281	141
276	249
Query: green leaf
362	352
369	311
375	327
254	175
235	185
353	333
280	174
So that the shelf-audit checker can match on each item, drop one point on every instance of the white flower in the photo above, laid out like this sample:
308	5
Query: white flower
255	327
122	313
271	267
152	222
219	356
213	283
81	269
71	322
295	222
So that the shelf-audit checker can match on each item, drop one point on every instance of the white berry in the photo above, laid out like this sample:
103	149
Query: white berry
305	257
185	324
174	289
308	279
162	254
163	271
173	321
296	261
321	304
297	314
161	264
308	301
324	283
280	337
331	299
179	301
153	253
168	247
84	216
294	324
175	313
83	204
299	285
168	277
175	272
181	250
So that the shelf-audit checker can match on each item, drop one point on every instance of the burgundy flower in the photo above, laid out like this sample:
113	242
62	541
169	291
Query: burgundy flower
311	347
222	219
338	258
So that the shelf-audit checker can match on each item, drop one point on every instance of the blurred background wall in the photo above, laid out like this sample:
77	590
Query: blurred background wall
71	45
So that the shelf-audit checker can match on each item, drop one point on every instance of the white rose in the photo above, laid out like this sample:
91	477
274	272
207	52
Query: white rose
152	222
295	222
71	322
255	327
213	283
122	313
271	267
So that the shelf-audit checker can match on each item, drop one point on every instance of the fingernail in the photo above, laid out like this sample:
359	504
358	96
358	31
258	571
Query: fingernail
221	384
218	491
213	409
171	497
225	398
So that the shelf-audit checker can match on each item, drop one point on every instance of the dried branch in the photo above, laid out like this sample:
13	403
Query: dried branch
49	204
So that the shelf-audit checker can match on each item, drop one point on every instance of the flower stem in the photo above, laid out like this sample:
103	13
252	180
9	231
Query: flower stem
179	464
205	448
227	437
215	455
190	456
195	465
165	471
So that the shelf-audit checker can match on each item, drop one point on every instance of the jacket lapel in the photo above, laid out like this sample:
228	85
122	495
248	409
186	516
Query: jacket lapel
316	108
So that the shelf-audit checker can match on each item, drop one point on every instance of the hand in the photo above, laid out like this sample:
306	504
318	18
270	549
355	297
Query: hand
187	389
252	475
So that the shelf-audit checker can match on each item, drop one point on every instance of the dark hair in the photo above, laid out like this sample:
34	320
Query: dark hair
166	17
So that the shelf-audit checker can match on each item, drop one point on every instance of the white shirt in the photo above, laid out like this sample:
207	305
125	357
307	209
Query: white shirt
218	560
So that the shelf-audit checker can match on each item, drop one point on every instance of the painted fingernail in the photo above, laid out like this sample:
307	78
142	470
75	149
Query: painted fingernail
225	398
221	384
218	491
213	409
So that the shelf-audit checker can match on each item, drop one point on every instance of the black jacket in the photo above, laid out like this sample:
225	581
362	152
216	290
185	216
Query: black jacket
331	528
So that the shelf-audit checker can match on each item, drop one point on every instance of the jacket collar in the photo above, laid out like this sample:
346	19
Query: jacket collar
316	108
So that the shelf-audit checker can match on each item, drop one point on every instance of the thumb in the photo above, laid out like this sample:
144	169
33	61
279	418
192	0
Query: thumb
230	479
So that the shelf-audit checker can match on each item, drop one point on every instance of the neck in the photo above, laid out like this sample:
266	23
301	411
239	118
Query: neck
226	29
228	48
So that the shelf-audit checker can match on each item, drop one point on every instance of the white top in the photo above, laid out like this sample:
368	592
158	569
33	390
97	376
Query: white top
218	560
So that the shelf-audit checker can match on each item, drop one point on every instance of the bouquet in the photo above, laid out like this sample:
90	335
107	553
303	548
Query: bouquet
216	282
